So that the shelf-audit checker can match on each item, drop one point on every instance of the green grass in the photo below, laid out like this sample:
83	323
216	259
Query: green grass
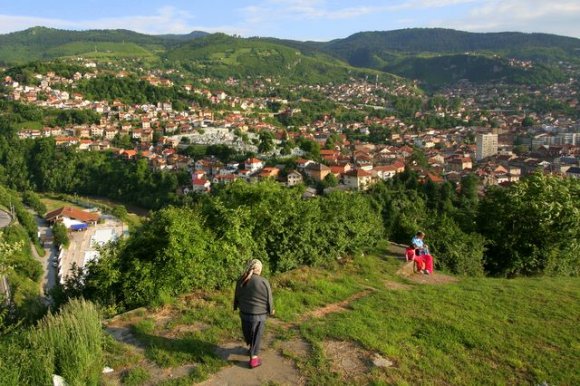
29	125
53	204
136	376
99	49
133	220
475	331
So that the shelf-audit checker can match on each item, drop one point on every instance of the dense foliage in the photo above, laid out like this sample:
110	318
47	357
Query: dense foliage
180	249
533	227
134	91
42	166
69	344
447	69
407	206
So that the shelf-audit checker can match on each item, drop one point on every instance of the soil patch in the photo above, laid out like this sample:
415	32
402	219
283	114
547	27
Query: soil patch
348	360
352	362
435	278
275	368
296	348
393	285
335	307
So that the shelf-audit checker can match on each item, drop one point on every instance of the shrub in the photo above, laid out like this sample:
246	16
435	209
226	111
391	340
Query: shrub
533	227
69	344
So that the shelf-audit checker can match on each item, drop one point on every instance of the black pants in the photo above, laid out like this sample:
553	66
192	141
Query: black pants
253	331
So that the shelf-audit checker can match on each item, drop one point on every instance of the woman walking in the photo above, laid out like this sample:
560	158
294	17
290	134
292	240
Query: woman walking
254	299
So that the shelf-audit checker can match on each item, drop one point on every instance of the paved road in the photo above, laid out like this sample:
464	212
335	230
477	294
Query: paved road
50	255
5	220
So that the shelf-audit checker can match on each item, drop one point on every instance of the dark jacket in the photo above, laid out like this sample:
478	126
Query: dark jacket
254	298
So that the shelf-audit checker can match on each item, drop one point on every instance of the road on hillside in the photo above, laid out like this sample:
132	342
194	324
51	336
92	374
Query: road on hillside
5	220
50	256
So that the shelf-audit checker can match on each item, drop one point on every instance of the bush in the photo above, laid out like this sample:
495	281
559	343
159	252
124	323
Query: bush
60	235
32	199
180	249
455	250
69	344
533	227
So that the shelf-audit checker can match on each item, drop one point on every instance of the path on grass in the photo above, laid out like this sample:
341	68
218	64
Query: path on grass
280	358
277	367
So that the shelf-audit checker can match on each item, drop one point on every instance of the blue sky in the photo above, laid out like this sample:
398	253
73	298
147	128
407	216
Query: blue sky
294	19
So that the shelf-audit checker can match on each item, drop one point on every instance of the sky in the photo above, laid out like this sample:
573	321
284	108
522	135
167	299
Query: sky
319	20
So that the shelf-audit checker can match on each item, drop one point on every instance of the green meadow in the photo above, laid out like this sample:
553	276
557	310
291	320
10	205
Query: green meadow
460	331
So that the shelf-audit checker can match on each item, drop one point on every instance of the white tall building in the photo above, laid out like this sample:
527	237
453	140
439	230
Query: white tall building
486	146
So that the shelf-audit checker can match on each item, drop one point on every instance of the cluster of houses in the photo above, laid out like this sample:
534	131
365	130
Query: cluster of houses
157	130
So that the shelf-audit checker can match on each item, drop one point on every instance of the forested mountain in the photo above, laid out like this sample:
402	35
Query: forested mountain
433	56
41	43
221	56
440	70
385	44
438	56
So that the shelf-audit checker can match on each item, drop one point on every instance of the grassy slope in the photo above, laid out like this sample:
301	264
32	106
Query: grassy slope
220	55
477	331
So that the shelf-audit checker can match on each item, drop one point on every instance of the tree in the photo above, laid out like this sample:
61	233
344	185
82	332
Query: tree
528	121
266	143
60	234
120	212
533	227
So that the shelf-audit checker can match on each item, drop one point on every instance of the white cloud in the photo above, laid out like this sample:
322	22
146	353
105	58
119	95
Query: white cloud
9	23
561	17
276	10
166	20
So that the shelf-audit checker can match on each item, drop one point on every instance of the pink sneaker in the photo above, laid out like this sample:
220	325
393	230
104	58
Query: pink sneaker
255	362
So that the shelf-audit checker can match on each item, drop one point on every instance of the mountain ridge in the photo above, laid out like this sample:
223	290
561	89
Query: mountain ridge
411	52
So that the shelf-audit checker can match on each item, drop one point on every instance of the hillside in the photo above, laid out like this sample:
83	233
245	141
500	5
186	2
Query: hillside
41	43
438	56
221	55
384	44
433	56
440	70
361	322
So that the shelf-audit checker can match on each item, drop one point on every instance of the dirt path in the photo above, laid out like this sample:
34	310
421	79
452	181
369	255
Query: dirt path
277	367
281	357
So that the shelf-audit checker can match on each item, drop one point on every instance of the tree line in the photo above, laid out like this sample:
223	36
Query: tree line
529	228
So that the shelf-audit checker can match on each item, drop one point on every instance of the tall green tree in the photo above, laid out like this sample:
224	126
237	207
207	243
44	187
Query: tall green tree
533	227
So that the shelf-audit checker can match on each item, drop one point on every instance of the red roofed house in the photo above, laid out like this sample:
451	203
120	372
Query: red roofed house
72	214
385	172
200	185
269	172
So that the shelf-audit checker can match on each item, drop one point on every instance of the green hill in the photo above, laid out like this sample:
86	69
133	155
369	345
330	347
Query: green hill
384	44
445	69
437	56
434	56
220	55
41	43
